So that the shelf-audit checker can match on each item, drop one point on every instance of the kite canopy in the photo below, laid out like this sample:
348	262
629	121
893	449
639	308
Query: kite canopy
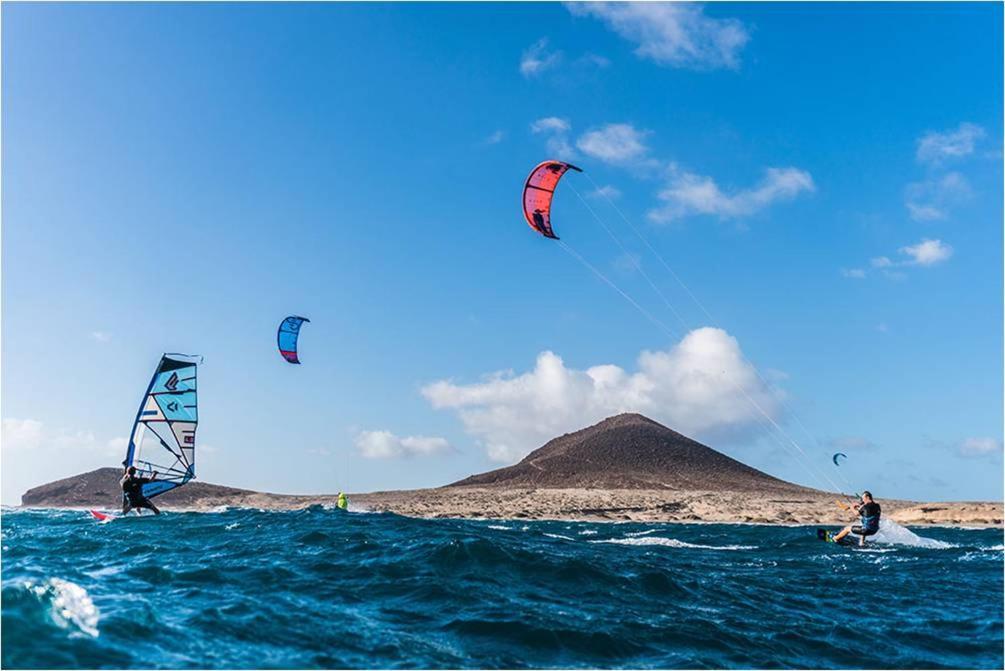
163	437
289	332
838	456
538	192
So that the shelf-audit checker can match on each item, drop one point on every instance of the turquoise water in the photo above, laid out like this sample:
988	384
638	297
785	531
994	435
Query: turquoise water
323	589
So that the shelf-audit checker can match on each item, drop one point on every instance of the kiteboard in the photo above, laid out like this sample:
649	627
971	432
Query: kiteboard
101	517
849	541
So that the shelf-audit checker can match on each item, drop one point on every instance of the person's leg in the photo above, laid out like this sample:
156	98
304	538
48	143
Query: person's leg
861	533
844	532
147	503
126	507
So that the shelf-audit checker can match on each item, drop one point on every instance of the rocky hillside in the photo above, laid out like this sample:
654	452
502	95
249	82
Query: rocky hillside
629	451
100	489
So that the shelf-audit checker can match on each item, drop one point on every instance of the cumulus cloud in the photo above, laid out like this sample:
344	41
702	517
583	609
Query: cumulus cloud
931	199
980	447
386	445
687	194
614	143
550	124
557	130
537	59
853	273
934	147
927	253
672	34
101	336
699	387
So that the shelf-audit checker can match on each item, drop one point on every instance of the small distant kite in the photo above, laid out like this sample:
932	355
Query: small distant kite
289	333
837	458
538	192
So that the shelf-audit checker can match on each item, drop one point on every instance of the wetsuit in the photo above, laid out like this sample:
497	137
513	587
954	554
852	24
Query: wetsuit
870	513
132	494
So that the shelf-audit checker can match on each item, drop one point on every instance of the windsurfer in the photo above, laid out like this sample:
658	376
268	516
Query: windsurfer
132	492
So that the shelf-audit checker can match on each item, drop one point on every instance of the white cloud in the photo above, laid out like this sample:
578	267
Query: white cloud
931	199
980	447
673	34
936	147
558	141
495	138
34	453
881	262
688	194
22	434
386	445
613	143
927	253
538	59
606	191
853	273
550	124
101	336
700	386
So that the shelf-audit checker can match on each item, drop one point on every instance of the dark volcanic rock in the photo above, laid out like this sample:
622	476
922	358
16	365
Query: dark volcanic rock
101	488
629	451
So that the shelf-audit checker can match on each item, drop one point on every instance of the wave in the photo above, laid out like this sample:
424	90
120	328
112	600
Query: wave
672	543
67	604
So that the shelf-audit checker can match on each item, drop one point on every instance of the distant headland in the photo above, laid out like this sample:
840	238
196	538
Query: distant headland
625	468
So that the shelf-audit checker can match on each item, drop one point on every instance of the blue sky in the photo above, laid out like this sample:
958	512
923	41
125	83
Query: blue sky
825	179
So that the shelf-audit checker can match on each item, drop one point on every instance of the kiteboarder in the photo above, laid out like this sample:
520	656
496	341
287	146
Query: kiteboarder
132	492
870	512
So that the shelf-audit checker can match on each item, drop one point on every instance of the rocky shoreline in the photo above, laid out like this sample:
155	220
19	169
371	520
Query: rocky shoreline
626	468
597	505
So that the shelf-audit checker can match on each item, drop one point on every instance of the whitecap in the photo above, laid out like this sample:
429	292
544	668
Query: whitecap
588	532
499	527
70	605
564	538
672	543
891	533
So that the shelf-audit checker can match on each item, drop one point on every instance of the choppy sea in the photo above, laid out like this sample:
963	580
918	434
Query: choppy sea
325	589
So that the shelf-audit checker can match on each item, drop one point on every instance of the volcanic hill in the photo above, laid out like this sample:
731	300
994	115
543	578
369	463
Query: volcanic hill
629	451
100	488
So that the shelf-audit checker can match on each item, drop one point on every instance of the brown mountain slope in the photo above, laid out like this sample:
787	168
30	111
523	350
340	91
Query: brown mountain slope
101	488
629	451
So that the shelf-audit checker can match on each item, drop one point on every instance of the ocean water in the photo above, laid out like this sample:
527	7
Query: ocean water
324	589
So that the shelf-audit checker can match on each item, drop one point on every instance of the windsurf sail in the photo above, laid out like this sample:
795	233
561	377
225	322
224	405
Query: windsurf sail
289	334
163	437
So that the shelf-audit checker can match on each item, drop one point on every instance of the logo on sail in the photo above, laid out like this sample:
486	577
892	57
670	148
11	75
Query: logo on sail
172	383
